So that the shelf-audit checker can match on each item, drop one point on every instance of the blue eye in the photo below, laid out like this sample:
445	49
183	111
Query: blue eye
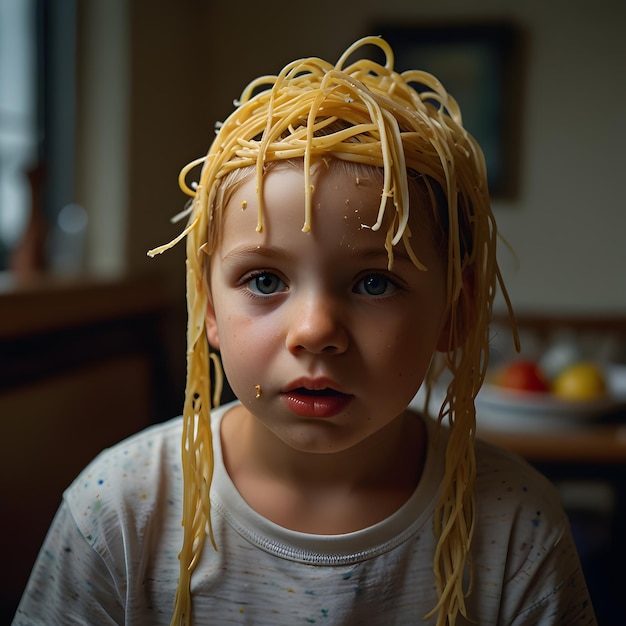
374	285
266	284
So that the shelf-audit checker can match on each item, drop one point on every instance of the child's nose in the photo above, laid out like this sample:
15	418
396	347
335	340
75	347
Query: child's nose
317	325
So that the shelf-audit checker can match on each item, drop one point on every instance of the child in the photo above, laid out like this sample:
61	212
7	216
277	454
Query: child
339	236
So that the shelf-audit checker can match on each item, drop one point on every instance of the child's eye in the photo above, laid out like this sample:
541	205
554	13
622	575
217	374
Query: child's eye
266	284
375	285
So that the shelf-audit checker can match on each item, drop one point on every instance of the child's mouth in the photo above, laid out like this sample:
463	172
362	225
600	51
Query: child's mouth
320	403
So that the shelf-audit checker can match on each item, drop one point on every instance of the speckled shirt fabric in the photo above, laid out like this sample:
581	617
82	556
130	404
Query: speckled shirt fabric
111	555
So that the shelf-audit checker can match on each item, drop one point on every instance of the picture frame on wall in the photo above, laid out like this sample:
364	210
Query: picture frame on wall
480	65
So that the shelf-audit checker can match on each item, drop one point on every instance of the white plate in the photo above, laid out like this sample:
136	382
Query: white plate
505	409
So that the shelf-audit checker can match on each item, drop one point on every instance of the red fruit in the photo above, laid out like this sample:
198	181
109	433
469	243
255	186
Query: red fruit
523	376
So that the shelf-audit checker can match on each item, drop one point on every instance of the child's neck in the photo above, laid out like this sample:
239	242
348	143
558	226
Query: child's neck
324	493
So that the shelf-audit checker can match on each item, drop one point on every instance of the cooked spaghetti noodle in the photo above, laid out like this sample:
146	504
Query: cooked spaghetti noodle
402	123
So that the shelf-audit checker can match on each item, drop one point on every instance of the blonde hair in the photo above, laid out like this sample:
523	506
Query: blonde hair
369	114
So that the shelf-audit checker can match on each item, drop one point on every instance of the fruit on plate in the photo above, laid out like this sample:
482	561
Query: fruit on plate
582	381
523	375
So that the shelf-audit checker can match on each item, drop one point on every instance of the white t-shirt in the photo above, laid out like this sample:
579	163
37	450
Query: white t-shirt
111	555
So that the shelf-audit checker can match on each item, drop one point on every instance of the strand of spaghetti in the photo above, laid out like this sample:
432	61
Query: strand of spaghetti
308	187
400	182
266	138
173	242
298	145
377	41
182	176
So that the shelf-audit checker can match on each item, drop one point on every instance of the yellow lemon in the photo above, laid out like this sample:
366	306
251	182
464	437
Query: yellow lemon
582	381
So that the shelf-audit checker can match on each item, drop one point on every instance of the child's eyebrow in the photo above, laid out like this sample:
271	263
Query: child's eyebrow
257	251
381	254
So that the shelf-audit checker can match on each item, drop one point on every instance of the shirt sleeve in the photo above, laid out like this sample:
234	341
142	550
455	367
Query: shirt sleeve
70	582
555	591
527	567
544	581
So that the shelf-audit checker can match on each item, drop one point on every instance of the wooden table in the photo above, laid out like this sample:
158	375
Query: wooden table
603	444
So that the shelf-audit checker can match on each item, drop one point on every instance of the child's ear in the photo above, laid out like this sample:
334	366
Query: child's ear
457	326
210	323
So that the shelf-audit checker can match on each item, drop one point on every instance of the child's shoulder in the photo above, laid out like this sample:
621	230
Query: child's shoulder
119	492
507	484
131	482
131	468
502	477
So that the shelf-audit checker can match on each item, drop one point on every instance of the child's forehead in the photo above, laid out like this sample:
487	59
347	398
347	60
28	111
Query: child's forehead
348	185
344	200
353	192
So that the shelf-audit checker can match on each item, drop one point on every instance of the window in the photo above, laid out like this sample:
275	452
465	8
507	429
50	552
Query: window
37	110
18	119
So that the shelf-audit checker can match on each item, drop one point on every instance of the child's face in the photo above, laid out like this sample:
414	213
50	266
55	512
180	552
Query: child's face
336	344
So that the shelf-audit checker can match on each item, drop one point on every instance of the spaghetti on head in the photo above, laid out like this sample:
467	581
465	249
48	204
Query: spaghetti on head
410	129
